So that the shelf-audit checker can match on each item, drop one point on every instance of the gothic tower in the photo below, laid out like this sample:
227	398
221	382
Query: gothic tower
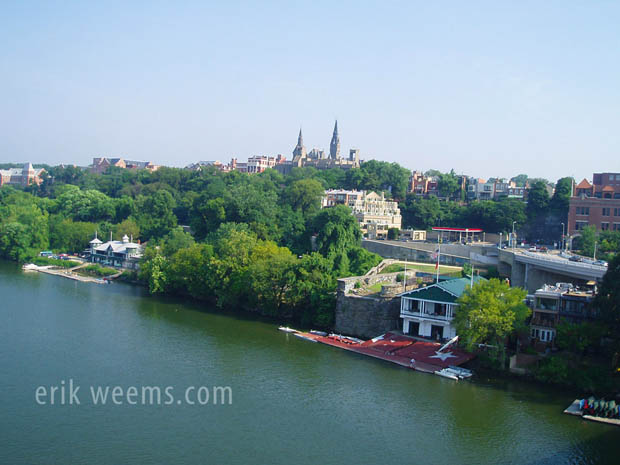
334	146
299	150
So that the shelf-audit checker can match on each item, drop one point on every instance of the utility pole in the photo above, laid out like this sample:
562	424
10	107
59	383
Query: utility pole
595	250
562	241
513	236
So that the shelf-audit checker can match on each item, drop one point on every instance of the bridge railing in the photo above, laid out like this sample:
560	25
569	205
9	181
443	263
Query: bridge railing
564	261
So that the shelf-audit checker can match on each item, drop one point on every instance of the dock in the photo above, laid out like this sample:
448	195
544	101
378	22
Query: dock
65	273
573	409
399	349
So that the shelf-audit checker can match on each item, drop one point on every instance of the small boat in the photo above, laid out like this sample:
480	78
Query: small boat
30	267
286	329
304	337
446	373
318	333
461	372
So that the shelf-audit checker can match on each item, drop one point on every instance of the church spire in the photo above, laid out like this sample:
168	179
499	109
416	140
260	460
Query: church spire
334	146
299	150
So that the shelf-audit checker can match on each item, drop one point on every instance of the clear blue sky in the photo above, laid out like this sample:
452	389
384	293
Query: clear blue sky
487	88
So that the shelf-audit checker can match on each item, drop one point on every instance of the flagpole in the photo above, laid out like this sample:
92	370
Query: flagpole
438	254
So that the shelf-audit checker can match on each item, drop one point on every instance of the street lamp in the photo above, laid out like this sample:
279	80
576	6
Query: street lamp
500	240
562	241
513	235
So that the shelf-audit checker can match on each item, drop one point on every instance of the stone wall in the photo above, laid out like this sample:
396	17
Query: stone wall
366	317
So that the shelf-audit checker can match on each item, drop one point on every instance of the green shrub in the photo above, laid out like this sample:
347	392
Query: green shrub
400	277
44	261
357	285
97	270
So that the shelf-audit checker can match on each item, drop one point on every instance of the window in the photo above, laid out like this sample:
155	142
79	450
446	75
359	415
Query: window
616	226
606	211
584	211
617	177
616	211
579	225
604	226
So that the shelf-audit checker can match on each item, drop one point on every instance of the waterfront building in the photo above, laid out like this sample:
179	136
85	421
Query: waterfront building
429	311
122	254
596	203
23	176
555	303
374	213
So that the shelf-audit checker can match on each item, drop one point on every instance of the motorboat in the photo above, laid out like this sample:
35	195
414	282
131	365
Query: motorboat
318	333
304	337
461	372
286	329
447	373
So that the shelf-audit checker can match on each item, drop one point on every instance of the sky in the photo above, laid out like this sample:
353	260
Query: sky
489	89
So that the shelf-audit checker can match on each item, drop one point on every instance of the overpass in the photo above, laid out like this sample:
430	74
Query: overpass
531	270
526	269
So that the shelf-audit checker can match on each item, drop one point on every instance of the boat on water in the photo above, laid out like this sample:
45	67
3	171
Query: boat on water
318	333
286	329
603	411
460	372
304	337
447	373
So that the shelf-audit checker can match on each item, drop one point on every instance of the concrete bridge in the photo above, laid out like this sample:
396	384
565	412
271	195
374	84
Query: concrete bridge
529	270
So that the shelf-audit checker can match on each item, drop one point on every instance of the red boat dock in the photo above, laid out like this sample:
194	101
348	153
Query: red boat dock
402	350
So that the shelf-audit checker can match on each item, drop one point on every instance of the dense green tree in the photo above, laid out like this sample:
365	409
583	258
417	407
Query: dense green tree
66	235
537	199
336	230
155	214
85	205
520	180
304	195
489	312
608	303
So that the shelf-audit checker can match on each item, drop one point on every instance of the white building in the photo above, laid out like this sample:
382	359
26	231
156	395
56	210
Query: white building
429	311
123	253
375	214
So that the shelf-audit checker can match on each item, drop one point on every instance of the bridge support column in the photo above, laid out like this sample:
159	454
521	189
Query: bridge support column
527	270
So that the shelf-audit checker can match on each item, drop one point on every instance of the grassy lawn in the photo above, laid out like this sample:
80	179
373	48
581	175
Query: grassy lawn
444	270
96	270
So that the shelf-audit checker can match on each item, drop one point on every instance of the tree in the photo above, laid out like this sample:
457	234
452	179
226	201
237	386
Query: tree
155	214
304	195
587	240
270	275
608	303
537	199
489	312
336	230
520	180
361	260
448	185
393	233
561	197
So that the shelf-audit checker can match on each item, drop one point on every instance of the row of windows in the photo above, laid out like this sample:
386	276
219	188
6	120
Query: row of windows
605	226
606	211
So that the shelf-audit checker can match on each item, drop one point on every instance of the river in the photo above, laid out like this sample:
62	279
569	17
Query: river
292	401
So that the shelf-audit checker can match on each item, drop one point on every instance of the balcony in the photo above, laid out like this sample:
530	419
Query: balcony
431	316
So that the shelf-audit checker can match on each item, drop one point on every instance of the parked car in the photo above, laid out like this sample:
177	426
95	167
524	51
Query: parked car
575	258
601	263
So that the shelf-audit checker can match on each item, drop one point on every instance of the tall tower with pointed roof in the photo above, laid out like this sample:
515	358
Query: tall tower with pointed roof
334	146
299	151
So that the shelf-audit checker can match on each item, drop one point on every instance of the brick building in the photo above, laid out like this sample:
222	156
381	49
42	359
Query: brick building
596	203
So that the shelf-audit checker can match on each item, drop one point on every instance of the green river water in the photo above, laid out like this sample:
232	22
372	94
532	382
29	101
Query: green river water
292	401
